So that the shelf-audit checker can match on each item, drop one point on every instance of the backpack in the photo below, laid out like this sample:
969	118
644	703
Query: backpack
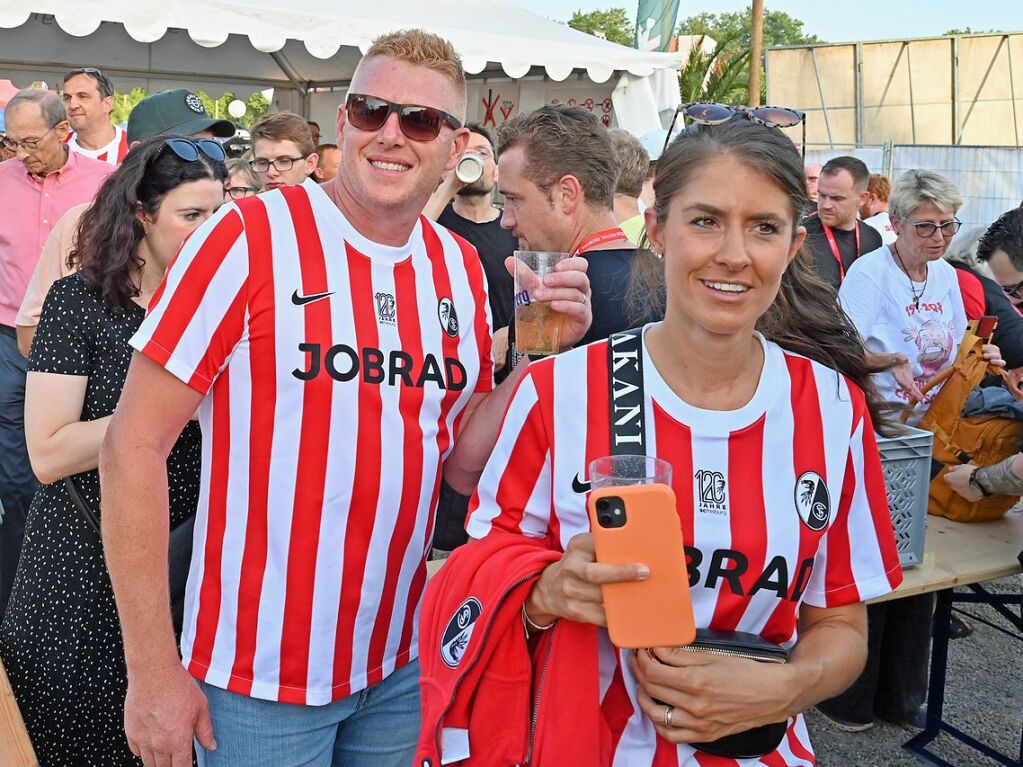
982	440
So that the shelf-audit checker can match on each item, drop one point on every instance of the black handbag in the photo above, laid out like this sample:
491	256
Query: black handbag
179	554
628	437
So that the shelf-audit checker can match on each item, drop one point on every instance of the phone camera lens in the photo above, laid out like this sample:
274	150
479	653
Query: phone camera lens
603	505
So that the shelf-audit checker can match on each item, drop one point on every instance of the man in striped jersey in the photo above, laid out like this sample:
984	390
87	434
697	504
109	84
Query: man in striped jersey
89	100
335	344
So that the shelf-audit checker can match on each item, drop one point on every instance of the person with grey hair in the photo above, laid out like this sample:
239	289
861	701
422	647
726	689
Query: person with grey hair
242	181
633	165
906	302
37	186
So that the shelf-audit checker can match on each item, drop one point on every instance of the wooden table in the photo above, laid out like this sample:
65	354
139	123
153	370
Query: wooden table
959	554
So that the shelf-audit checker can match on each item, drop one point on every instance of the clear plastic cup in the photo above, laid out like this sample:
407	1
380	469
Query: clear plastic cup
537	325
624	470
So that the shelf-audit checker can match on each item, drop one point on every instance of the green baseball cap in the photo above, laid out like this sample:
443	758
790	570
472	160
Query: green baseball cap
177	111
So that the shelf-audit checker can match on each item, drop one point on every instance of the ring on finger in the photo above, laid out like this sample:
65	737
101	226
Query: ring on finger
668	710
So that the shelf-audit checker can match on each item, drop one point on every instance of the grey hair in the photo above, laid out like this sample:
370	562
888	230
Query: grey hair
49	104
241	165
916	187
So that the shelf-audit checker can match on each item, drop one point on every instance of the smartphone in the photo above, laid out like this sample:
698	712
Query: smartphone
639	524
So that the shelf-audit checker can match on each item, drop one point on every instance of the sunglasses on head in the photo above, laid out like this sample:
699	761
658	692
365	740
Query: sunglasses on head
709	113
188	149
418	123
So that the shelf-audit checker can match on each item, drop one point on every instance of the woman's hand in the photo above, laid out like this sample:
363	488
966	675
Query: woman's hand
993	355
903	373
711	695
958	478
570	587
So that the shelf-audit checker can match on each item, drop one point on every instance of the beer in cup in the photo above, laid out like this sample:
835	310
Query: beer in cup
537	325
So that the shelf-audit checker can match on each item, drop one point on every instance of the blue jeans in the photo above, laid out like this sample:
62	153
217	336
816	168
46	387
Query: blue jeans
377	727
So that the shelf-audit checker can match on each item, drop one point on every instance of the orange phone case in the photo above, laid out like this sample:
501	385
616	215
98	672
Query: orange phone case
656	612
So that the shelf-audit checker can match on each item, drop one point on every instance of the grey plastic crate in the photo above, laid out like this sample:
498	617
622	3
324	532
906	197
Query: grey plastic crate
906	461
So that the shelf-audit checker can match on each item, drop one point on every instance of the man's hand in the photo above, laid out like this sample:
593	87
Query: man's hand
903	373
499	348
164	708
567	289
1013	381
958	478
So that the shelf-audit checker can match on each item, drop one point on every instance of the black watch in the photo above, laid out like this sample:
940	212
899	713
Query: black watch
975	483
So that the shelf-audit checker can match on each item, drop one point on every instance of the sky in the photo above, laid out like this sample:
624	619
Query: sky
837	22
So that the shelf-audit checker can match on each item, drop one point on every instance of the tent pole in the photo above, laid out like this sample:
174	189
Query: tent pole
296	81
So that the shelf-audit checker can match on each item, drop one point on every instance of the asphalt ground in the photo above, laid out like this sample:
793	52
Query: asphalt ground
983	698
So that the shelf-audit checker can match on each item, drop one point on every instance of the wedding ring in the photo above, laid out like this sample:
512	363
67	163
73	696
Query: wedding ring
667	716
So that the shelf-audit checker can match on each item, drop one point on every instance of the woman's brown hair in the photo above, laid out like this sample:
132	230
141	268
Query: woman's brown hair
805	317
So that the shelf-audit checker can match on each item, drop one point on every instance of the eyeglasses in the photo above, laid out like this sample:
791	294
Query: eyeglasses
84	71
188	149
281	164
418	123
1012	291
29	144
709	113
239	192
927	228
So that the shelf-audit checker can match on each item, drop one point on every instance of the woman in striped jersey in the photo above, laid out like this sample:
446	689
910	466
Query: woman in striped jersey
756	379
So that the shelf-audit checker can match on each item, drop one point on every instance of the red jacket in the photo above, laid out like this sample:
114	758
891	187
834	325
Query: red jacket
484	689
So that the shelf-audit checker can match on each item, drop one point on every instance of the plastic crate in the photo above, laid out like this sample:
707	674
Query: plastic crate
906	461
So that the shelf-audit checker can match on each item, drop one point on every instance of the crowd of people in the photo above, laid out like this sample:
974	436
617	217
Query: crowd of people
243	399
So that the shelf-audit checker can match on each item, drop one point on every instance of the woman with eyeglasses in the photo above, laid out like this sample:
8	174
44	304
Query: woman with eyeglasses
757	392
60	639
908	305
242	180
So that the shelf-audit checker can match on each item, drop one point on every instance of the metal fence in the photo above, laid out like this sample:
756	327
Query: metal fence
989	178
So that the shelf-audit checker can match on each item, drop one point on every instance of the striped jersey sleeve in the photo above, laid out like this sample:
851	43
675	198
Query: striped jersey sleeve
196	317
858	558
514	493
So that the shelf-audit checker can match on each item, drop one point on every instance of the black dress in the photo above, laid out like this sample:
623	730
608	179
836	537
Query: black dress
60	639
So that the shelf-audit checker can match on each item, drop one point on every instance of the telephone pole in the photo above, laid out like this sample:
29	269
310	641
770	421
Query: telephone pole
756	51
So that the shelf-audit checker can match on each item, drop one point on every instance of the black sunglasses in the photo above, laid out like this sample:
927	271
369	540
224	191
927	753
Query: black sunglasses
709	113
1012	291
188	148
418	123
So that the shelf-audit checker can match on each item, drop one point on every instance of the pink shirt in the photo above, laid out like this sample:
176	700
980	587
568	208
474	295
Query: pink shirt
31	208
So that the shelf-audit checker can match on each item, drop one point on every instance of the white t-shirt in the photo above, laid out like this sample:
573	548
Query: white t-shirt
882	222
876	295
113	153
335	371
757	545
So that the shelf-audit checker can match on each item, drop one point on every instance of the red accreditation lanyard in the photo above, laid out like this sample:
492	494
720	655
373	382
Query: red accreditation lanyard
600	238
834	246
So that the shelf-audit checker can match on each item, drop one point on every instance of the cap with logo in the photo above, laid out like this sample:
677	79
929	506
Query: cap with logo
177	111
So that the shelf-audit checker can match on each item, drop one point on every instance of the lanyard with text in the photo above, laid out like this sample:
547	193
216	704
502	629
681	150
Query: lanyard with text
834	246
600	238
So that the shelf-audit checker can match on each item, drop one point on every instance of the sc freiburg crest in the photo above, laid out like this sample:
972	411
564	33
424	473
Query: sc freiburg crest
458	631
812	500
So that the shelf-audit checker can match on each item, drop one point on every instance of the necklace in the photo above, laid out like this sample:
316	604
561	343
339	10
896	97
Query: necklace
912	285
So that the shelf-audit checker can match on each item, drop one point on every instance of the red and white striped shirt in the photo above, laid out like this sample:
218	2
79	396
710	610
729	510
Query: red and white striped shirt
113	153
780	502
335	371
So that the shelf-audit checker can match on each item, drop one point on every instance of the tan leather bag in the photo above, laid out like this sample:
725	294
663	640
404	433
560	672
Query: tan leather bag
981	440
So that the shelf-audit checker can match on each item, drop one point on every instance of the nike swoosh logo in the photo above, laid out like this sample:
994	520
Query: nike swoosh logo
298	300
579	486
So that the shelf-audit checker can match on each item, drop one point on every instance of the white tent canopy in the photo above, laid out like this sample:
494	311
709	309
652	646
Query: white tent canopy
247	45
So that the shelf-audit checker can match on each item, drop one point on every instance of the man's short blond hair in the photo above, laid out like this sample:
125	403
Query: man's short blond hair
421	49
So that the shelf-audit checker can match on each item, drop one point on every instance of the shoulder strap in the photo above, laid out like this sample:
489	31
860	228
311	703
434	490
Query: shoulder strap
79	502
625	390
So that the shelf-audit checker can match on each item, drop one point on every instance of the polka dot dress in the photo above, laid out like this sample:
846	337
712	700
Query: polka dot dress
60	639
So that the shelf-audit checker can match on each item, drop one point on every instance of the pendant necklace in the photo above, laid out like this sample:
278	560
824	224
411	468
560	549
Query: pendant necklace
912	285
